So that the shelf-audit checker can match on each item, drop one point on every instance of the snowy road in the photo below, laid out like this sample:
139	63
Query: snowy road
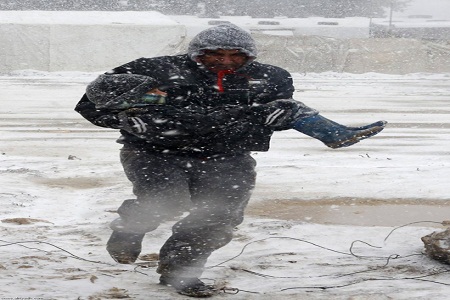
63	176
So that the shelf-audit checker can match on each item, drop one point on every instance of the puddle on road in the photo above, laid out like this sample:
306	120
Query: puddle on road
362	212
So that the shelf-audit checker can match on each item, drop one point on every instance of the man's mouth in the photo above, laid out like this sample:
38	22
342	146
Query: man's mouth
224	67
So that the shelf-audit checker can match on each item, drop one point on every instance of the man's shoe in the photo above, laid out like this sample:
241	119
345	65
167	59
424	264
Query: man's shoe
192	287
124	247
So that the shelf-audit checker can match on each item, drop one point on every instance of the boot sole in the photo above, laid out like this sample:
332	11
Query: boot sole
364	134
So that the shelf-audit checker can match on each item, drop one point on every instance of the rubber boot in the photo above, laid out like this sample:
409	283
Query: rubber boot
124	247
335	135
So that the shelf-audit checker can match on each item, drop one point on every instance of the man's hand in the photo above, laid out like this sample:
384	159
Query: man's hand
274	114
280	113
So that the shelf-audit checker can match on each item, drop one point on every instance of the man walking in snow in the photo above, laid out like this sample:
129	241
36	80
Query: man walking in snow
191	148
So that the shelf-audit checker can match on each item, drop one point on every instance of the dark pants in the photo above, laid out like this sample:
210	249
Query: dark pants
216	189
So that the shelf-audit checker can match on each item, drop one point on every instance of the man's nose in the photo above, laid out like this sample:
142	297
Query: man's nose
226	59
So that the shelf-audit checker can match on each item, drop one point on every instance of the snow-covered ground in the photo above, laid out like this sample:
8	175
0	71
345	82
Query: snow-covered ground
308	231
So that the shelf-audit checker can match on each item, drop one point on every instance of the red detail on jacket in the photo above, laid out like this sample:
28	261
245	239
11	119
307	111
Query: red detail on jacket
220	75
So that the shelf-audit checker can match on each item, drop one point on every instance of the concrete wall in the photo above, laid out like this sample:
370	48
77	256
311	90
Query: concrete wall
81	47
96	42
321	54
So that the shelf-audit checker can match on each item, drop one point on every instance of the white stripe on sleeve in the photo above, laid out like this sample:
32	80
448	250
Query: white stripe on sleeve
139	125
273	116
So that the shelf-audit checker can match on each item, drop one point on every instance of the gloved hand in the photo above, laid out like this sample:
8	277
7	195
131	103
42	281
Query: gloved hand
274	114
280	113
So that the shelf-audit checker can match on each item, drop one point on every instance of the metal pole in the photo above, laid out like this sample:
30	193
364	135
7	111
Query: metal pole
391	9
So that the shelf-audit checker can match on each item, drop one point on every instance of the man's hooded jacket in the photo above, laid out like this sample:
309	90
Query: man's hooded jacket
205	113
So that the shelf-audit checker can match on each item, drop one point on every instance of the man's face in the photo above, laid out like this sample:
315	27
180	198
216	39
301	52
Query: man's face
223	59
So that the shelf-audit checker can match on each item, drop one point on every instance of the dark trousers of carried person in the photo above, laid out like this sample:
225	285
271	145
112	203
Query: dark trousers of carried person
216	188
